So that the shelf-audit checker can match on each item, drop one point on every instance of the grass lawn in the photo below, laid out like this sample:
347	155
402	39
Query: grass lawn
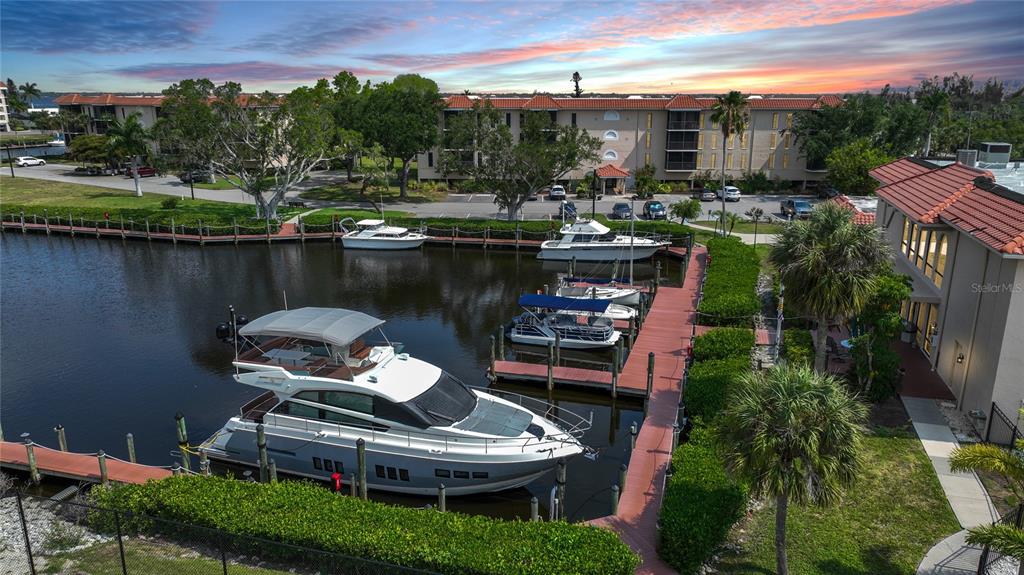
143	558
91	202
349	192
326	215
14	139
885	524
744	227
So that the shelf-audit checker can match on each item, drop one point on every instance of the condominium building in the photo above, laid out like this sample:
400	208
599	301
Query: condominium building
959	234
103	108
5	122
674	134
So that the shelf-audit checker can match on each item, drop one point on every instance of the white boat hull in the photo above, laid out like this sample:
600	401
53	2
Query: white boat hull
619	296
551	251
614	311
563	343
408	243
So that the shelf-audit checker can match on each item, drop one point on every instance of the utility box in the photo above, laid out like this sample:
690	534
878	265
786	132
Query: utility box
967	157
994	153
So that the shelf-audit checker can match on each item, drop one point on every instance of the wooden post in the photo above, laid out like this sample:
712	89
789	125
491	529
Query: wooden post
622	476
33	468
302	230
71	224
622	353
454	233
352	484
534	509
201	232
657	276
131	447
631	334
234	227
615	499
501	343
261	446
493	374
272	468
102	458
62	440
361	462
551	369
558	348
633	430
174	239
122	226
22	221
650	373
148	235
517	235
97	229
46	221
268	231
560	488
615	371
176	470
183	441
204	464
442	504
487	232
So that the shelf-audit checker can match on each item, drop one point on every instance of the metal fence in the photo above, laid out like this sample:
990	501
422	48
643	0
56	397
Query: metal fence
1002	430
43	535
990	559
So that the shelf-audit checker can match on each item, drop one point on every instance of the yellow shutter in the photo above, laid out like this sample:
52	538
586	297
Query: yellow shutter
700	160
775	120
774	141
743	140
743	161
714	140
714	160
771	160
700	141
647	159
789	121
650	120
785	160
787	140
732	140
728	160
648	140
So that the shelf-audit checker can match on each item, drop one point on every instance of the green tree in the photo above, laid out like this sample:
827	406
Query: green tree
934	100
478	144
686	210
401	116
128	137
794	436
829	266
349	107
90	148
646	185
755	215
269	144
848	167
576	90
188	125
875	364
1006	539
730	113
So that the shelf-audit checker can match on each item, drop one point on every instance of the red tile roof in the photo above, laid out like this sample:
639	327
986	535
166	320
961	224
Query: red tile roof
859	217
612	103
966	198
678	102
541	102
901	169
610	171
108	100
683	102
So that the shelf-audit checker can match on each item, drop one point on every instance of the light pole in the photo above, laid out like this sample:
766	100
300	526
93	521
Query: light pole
9	160
595	185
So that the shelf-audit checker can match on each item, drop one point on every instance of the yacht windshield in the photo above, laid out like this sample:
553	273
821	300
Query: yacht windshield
447	401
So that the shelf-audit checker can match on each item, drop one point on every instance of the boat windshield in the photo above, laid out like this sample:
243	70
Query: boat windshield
445	402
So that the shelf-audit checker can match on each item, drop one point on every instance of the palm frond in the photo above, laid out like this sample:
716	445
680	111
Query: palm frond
1006	539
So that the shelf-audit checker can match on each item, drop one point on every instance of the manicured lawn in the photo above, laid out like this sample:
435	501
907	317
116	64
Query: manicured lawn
349	192
885	524
91	202
745	227
13	139
327	215
144	558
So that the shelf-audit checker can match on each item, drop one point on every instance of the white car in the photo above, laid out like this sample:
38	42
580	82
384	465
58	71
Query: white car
556	193
732	194
22	161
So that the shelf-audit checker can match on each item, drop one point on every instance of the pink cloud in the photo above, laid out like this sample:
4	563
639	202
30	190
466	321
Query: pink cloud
253	71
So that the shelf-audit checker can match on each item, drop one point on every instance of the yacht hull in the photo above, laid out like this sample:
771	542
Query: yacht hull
382	243
617	296
389	468
563	343
550	251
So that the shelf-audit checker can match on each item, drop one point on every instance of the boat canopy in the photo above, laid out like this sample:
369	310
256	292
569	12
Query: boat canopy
566	303
585	227
331	325
369	223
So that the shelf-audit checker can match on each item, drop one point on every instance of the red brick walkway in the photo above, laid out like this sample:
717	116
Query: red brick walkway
667	332
77	465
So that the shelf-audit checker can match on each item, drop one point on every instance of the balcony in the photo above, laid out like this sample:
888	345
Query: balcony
683	125
680	166
677	141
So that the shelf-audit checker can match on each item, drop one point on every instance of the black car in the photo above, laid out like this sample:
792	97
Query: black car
827	192
622	211
196	176
655	210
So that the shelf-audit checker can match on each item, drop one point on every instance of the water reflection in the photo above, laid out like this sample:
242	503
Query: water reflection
108	337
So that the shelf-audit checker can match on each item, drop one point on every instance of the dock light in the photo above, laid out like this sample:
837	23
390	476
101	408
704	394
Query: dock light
960	358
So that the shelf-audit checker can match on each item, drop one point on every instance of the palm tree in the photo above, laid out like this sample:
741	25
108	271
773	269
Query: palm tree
29	90
755	215
828	265
686	210
128	137
730	112
1007	539
795	436
935	103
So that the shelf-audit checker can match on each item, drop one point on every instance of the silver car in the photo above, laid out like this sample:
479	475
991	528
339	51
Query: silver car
732	194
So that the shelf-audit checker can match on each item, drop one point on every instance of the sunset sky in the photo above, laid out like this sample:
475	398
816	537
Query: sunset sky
796	46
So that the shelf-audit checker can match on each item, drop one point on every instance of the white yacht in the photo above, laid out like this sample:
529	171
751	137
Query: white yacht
583	328
377	235
328	385
621	296
592	241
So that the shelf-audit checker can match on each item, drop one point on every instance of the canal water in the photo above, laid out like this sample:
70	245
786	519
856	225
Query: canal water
107	337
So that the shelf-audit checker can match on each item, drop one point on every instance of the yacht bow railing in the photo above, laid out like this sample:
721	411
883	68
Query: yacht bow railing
573	424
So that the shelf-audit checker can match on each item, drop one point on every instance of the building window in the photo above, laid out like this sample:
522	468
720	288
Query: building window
700	141
574	118
611	116
700	160
650	120
775	120
789	121
940	260
508	119
771	161
611	135
714	160
392	474
700	120
430	159
743	161
728	160
732	141
610	155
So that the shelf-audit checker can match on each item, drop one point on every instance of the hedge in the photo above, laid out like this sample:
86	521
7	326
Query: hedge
708	384
722	343
730	287
305	514
797	346
701	504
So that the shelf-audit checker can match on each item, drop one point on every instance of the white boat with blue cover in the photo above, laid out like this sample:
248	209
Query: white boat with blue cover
585	328
328	384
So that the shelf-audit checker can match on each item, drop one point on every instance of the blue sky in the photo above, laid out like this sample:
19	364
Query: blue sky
801	46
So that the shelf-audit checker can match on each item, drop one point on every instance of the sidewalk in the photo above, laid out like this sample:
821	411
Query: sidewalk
967	497
762	238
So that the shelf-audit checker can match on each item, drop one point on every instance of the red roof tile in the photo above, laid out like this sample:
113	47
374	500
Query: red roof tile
108	100
541	102
924	196
683	102
901	169
678	102
612	103
610	171
859	217
995	220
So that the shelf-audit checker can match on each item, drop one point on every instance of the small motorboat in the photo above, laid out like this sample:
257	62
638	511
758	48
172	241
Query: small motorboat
614	311
583	328
591	241
595	289
377	235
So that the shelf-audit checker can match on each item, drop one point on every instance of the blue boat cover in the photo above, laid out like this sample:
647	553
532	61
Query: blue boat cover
566	303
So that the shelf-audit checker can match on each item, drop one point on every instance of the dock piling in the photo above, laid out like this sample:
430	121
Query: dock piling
442	503
352	484
560	484
501	342
534	509
675	436
493	376
261	446
102	459
657	276
183	441
174	238
650	373
148	236
551	367
558	348
622	476
622	353
234	227
633	430
616	359
361	459
23	229
204	464
632	332
33	468
62	440
272	469
46	221
615	500
131	447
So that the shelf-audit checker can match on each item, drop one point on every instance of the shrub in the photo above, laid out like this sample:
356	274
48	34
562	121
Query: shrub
169	203
701	504
708	384
305	514
797	346
730	289
722	343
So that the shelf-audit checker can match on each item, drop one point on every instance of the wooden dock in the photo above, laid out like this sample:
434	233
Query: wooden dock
560	375
76	466
667	333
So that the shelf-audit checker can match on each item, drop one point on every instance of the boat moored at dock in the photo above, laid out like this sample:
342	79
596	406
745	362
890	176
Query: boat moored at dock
578	323
592	241
377	235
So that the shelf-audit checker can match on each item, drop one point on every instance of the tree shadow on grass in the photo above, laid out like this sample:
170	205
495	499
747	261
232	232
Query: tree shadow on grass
875	560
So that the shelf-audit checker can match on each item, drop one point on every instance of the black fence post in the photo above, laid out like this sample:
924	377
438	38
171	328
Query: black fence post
24	531
223	555
988	424
120	541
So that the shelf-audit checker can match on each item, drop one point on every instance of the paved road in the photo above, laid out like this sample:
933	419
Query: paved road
455	206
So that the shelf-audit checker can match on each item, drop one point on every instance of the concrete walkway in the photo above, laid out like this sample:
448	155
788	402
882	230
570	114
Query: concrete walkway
964	491
762	238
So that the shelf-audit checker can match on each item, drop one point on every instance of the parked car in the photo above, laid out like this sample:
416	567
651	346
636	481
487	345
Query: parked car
567	209
795	208
23	161
144	171
195	176
531	197
732	194
655	210
622	211
704	195
556	193
827	192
